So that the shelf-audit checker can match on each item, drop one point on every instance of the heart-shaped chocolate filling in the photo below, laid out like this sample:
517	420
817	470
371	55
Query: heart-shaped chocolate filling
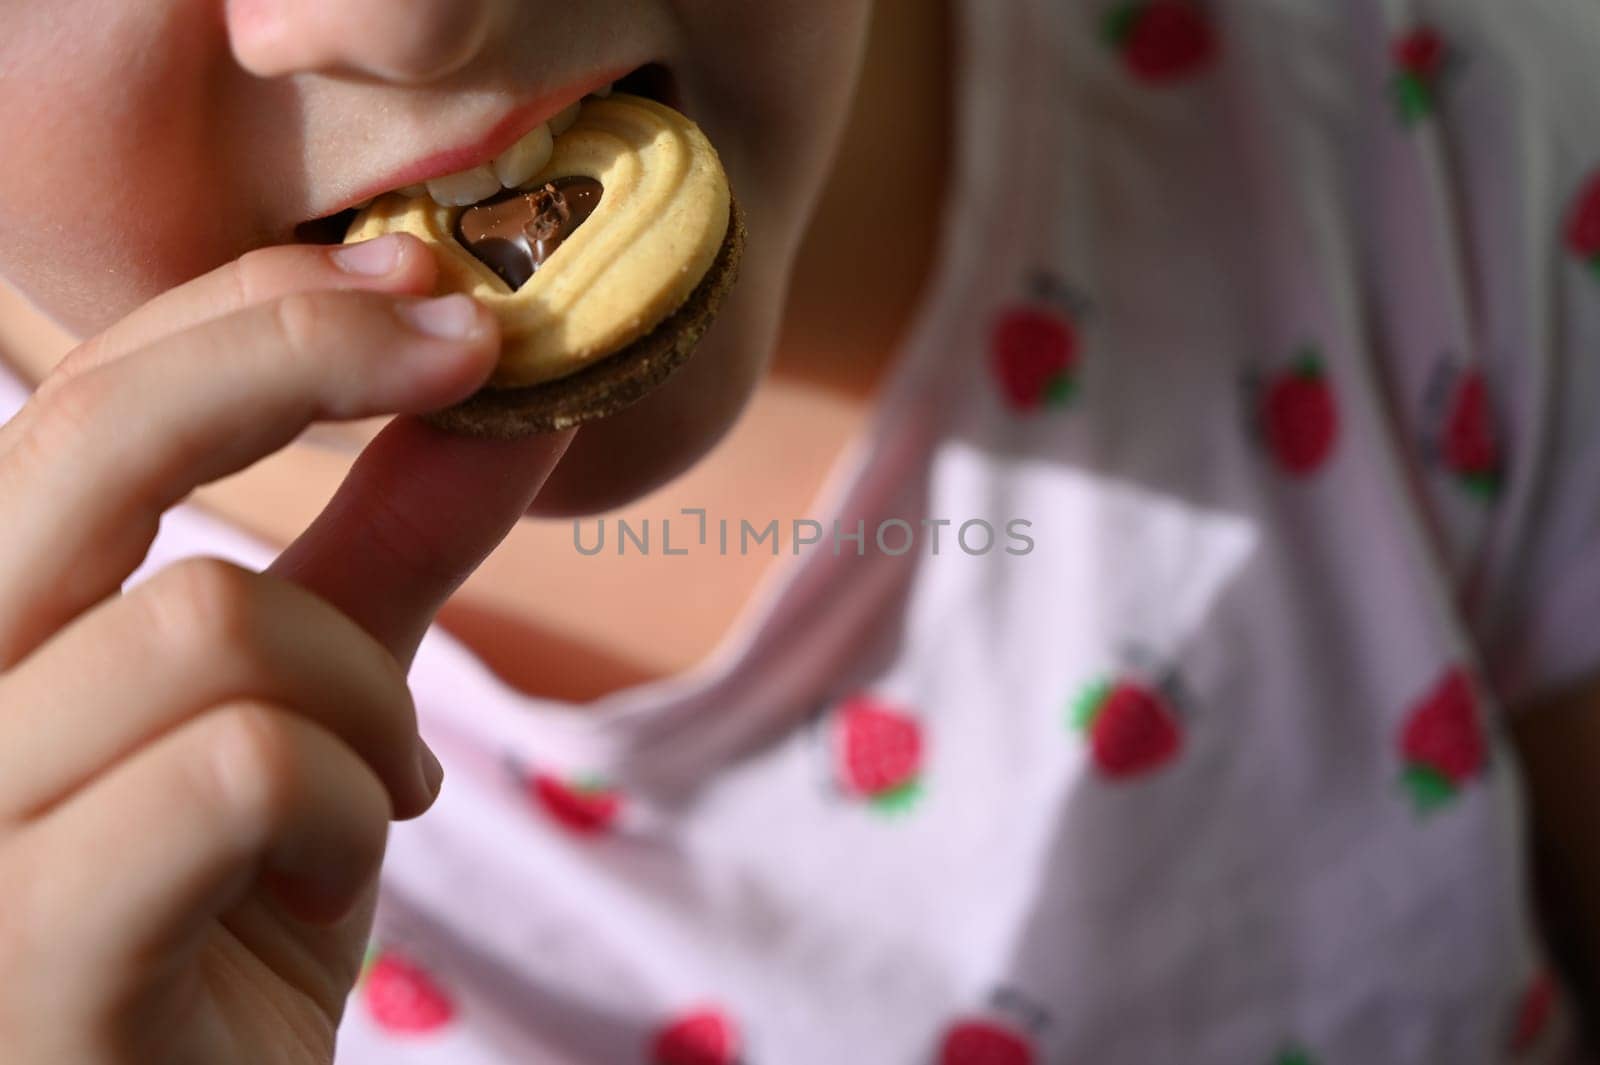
515	232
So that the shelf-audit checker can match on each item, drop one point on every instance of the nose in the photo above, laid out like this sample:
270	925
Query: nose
406	41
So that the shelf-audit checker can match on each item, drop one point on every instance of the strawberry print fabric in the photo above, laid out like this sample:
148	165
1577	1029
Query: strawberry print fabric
1278	322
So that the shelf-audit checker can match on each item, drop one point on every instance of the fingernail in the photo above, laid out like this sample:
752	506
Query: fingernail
432	771
371	258
453	317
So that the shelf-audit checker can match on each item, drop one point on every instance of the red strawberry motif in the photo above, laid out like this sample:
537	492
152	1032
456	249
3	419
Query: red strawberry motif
977	1042
1034	356
1534	1012
1420	52
1471	449
705	1036
1583	228
879	752
402	997
1299	416
1162	41
1420	57
1132	729
587	808
1442	742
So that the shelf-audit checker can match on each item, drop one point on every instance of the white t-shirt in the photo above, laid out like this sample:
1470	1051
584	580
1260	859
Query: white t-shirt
1252	407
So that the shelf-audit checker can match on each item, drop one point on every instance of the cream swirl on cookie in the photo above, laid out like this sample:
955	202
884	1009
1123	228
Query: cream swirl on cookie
658	226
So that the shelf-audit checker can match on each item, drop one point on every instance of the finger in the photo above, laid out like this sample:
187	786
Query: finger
87	480
418	512
199	633
246	793
395	263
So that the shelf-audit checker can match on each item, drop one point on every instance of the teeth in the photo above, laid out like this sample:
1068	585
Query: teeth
465	188
514	167
524	159
563	122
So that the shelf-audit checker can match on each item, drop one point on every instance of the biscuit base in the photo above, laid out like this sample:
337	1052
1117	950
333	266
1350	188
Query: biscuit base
611	383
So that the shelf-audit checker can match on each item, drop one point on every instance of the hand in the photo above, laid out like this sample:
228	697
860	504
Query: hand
196	777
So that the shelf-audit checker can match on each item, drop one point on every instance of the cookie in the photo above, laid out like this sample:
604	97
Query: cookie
604	269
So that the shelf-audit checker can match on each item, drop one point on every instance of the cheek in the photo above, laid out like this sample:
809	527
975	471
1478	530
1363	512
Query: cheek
617	460
621	459
772	83
779	60
776	80
106	208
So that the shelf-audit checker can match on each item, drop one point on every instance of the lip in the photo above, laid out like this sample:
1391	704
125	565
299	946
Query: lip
504	132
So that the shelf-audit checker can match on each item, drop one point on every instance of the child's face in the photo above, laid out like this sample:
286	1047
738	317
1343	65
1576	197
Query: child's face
148	141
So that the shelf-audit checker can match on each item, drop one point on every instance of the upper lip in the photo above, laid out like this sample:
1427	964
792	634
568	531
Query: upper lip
500	133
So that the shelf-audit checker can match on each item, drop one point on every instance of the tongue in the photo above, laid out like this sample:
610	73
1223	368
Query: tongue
515	232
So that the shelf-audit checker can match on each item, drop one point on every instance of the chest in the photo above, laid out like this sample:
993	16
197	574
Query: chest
575	609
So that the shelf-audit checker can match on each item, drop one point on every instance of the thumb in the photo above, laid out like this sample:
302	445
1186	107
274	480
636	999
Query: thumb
419	511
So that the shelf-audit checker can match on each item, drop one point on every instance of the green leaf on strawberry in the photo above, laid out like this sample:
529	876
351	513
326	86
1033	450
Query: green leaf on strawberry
899	798
1308	365
1084	709
1414	96
1118	24
1295	1056
1060	390
1483	485
1429	788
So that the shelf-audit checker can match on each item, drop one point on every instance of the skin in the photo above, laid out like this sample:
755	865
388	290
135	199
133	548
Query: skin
256	727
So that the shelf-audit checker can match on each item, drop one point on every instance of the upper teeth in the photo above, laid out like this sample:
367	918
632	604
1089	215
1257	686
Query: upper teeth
525	158
563	122
469	186
513	168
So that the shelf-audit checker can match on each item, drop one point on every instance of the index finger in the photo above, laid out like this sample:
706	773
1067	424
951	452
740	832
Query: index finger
91	472
397	263
419	511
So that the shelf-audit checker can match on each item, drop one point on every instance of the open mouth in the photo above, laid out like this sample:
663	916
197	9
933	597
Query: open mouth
511	169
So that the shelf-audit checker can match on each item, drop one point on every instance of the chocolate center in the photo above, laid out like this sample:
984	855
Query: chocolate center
515	232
